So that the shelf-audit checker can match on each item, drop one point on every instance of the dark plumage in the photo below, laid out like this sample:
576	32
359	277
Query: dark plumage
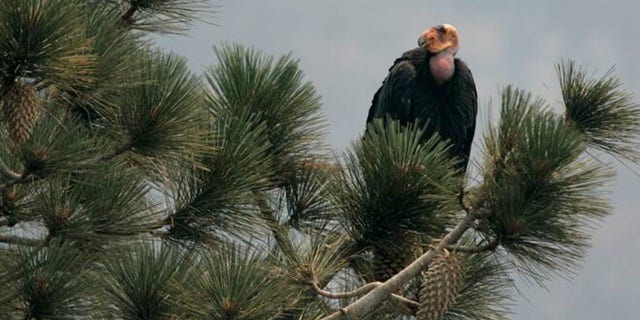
445	104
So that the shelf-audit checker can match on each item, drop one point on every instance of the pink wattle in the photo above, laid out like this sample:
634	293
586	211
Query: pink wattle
442	66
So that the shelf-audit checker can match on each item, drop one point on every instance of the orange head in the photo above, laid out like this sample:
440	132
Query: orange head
439	38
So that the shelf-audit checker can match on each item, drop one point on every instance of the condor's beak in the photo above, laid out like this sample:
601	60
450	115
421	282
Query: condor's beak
421	41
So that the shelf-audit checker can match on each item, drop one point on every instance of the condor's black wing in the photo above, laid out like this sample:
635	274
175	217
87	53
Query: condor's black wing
463	104
393	98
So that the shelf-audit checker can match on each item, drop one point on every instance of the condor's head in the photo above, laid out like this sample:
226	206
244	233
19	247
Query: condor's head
440	38
443	44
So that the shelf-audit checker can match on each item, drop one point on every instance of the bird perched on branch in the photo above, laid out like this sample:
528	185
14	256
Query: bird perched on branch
430	87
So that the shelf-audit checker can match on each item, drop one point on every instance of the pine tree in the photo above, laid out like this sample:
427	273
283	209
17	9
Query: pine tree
131	188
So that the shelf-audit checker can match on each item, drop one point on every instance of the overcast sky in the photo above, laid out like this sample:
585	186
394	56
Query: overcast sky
346	46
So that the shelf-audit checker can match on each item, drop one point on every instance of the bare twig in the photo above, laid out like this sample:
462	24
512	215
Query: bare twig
378	295
362	290
26	177
349	294
8	173
413	305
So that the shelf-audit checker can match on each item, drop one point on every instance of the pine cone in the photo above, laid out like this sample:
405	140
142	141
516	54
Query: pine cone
393	256
21	109
441	284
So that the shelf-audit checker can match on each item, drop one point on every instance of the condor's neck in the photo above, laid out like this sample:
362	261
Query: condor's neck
442	66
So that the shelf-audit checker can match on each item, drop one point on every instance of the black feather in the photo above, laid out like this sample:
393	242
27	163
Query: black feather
410	94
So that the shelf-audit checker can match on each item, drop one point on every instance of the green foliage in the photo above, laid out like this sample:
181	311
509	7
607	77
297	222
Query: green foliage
247	81
539	191
163	16
160	117
318	259
392	182
47	283
132	149
116	63
304	201
303	261
141	281
604	113
43	40
234	283
217	201
96	207
59	143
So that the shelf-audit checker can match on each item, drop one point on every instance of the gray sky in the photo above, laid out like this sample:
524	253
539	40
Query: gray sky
346	46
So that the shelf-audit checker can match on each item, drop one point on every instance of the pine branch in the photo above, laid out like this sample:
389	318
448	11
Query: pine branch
25	177
170	17
349	294
383	187
379	294
604	113
45	41
57	144
544	194
160	119
139	278
413	305
54	280
8	173
362	290
230	280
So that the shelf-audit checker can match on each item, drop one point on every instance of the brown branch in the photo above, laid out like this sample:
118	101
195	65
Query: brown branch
363	290
376	296
349	294
8	173
24	178
413	305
